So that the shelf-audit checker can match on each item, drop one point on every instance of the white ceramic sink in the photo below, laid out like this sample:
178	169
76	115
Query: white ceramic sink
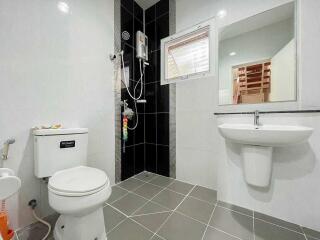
257	145
265	135
9	183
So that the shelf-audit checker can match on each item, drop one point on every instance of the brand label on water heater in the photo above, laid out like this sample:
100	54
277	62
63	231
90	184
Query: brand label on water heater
67	144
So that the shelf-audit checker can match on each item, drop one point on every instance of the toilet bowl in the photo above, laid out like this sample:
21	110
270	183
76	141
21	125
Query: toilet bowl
79	194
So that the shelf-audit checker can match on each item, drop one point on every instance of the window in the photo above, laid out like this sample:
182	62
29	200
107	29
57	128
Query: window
188	55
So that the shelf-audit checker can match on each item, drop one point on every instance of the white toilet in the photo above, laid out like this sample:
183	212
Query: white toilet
76	191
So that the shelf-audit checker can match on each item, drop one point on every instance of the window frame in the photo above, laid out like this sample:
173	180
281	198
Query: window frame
185	33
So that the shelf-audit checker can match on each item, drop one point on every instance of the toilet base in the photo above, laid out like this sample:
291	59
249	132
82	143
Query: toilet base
87	227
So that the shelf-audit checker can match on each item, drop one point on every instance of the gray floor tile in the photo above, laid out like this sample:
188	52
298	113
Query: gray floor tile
148	190
266	231
151	207
116	193
130	184
196	209
161	181
152	221
236	208
129	203
204	194
179	227
311	238
33	232
156	238
168	199
278	221
214	234
180	187
112	217
129	230
234	223
145	176
311	233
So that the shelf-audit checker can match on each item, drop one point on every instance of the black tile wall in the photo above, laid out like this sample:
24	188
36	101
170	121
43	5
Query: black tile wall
132	156
162	28
139	158
151	130
157	96
138	12
150	14
147	147
162	7
127	162
162	160
151	157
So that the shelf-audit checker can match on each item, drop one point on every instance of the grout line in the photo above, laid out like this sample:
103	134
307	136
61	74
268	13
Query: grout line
118	210
219	230
145	214
232	210
172	212
254	229
280	226
204	233
116	226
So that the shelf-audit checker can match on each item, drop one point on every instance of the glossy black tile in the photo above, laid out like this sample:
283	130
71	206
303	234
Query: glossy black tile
162	7
162	29
138	12
151	70
163	160
151	33
128	60
163	128
150	95
139	131
127	163
151	158
128	4
150	14
162	98
151	128
139	158
127	21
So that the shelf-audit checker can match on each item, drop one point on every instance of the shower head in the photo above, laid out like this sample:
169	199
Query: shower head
10	141
125	35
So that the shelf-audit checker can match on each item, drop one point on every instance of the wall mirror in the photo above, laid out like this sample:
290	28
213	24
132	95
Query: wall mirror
257	58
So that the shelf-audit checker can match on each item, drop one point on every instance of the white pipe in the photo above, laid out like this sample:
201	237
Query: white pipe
44	222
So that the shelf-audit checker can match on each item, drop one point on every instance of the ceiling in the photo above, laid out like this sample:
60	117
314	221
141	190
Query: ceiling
145	4
258	21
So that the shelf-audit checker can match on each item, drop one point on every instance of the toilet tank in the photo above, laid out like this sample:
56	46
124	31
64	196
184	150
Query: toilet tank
58	149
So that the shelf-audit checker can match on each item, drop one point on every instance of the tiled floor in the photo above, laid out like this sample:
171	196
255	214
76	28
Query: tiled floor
153	207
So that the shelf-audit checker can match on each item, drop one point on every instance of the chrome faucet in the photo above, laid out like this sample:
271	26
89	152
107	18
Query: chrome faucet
256	119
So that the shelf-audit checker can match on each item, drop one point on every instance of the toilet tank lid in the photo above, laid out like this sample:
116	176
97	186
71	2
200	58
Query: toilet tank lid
61	131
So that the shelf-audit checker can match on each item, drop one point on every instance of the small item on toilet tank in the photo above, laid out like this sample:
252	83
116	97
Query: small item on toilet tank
54	126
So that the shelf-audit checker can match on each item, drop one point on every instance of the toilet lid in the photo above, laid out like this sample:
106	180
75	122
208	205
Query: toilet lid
79	180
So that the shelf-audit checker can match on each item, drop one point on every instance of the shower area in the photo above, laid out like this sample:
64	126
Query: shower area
145	120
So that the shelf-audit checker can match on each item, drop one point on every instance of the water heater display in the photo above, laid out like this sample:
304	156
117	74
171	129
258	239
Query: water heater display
142	46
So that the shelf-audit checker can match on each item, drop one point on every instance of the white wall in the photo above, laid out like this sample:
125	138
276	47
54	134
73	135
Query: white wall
54	69
257	45
283	81
202	155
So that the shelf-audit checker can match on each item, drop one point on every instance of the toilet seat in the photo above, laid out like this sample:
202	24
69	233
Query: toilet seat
78	181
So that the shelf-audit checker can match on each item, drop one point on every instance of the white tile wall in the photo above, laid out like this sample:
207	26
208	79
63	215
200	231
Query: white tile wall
54	68
202	155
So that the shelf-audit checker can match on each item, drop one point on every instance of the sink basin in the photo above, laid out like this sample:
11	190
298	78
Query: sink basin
257	145
265	135
9	183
